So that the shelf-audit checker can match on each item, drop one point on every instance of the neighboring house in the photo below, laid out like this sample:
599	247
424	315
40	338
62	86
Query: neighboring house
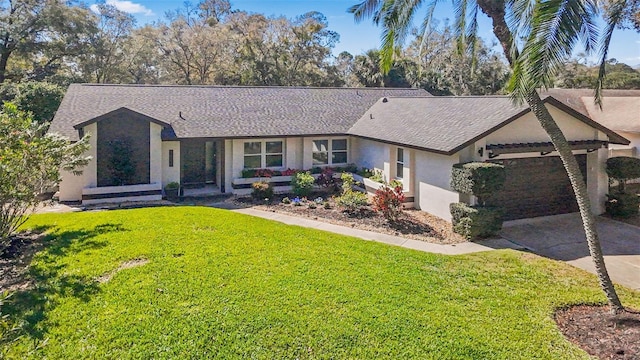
620	112
203	136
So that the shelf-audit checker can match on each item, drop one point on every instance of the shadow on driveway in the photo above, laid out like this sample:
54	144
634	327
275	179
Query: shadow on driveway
561	237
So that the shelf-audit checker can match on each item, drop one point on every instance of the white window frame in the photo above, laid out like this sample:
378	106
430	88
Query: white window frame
263	153
330	151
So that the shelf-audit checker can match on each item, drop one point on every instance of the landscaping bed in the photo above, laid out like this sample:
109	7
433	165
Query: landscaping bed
413	224
600	333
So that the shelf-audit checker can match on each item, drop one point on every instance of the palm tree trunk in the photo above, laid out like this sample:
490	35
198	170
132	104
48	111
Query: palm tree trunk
561	145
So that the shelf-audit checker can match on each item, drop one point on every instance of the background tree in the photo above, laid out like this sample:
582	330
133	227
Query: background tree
29	164
40	33
104	60
40	99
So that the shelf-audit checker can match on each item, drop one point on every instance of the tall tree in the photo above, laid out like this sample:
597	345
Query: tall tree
550	30
104	60
42	32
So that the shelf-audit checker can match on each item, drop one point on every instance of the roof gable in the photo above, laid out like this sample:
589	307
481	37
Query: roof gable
448	124
119	111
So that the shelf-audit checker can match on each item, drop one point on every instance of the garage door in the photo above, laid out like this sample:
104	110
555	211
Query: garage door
536	187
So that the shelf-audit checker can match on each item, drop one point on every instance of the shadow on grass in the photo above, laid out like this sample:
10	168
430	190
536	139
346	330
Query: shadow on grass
51	281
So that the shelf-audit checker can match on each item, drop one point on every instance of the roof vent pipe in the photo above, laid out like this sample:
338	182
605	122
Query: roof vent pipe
385	100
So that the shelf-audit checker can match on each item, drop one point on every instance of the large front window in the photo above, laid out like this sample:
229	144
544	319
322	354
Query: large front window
263	154
330	152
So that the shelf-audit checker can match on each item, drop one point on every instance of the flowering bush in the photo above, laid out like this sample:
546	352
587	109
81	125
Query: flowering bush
388	201
290	172
261	190
296	201
327	180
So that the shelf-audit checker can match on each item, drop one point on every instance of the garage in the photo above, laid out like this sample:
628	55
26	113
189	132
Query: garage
537	186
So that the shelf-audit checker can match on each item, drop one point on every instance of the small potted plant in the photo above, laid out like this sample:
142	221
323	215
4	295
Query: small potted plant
171	191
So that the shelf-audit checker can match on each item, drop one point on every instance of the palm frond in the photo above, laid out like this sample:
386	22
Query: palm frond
365	10
612	18
556	26
397	17
460	24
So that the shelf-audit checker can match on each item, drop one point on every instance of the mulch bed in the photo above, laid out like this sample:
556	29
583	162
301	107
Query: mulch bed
600	333
15	261
413	224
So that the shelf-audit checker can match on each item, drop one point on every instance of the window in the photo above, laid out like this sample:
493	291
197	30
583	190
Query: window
170	158
329	152
400	163
263	154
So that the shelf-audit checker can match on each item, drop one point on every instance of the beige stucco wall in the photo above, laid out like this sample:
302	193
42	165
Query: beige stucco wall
71	185
528	129
432	183
371	154
633	149
170	174
155	154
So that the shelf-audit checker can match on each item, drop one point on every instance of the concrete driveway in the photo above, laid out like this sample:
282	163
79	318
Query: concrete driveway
561	237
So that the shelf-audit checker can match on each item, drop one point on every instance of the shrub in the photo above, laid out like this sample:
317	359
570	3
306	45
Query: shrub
622	169
172	186
477	178
622	204
388	201
352	201
327	180
316	170
347	182
377	176
296	201
290	172
365	173
312	205
351	168
474	222
326	205
302	183
263	173
286	201
261	190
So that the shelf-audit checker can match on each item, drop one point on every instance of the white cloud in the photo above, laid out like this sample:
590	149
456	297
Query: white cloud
126	6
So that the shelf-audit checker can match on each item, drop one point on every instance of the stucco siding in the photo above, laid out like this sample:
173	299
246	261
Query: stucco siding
633	149
432	183
371	154
528	129
170	174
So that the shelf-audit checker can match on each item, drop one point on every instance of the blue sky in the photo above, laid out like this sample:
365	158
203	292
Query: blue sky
354	38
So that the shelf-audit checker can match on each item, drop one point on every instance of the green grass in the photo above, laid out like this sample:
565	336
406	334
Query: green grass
224	285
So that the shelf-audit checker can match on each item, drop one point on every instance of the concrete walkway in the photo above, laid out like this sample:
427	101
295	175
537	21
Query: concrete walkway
453	249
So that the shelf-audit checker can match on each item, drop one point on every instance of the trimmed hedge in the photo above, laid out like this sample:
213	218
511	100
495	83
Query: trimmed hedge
477	178
622	204
622	169
475	222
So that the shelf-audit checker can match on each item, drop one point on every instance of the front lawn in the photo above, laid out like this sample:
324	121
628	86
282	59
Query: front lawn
223	285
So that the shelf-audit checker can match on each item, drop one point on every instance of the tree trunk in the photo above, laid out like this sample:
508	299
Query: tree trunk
4	59
561	145
495	10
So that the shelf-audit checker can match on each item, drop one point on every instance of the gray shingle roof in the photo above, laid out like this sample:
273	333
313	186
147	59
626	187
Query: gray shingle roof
444	124
620	108
225	111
